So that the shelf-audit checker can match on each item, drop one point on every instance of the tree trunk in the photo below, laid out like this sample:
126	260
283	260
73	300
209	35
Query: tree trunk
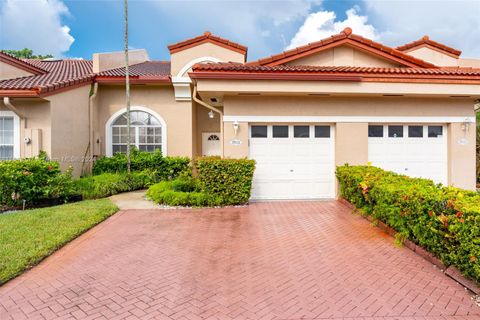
127	86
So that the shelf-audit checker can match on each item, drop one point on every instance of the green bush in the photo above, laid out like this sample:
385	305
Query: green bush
181	192
229	179
443	220
165	168
33	180
107	184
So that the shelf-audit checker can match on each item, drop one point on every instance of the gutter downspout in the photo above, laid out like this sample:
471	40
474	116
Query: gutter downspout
93	94
199	101
11	107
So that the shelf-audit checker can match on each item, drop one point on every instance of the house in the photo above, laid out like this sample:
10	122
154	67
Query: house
300	113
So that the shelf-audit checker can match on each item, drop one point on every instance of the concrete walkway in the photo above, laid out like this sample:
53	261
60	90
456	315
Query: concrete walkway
133	200
279	260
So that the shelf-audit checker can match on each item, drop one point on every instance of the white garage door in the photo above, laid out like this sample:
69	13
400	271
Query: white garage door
293	161
413	150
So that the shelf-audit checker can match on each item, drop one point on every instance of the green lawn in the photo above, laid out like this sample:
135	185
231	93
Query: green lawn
29	236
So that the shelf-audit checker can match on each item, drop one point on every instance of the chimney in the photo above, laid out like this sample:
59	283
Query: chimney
111	60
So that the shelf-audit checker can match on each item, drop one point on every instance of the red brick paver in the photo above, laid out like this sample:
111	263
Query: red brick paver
280	260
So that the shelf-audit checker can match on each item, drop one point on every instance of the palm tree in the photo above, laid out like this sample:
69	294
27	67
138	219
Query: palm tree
127	85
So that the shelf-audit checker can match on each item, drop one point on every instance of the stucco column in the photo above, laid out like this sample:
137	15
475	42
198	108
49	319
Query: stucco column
461	155
351	143
236	145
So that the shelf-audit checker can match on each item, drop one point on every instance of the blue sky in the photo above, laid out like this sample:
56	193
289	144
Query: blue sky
78	28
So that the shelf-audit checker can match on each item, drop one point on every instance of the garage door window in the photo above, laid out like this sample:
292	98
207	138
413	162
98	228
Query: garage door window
301	131
395	131
415	131
322	131
375	131
259	131
280	131
435	131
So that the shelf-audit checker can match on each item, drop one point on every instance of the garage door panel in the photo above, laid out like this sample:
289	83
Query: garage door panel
424	157
293	168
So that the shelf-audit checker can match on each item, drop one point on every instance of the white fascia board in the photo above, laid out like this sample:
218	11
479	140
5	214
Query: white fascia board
334	119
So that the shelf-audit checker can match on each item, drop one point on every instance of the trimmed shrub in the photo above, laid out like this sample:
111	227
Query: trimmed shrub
108	184
230	179
165	168
33	180
181	192
443	220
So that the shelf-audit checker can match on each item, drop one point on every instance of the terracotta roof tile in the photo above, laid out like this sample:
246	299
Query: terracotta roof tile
148	68
425	40
21	63
458	73
59	74
348	37
206	37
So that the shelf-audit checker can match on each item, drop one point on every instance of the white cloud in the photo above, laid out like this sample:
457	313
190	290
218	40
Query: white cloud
36	25
322	24
454	23
257	24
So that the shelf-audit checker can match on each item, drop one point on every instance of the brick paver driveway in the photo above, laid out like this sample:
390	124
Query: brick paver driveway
281	260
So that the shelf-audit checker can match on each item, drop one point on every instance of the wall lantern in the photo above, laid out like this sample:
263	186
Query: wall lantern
211	115
236	126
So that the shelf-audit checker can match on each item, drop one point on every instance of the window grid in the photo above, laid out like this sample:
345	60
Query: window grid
6	138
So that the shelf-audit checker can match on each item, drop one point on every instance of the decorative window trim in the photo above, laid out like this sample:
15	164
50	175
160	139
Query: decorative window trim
16	131
108	128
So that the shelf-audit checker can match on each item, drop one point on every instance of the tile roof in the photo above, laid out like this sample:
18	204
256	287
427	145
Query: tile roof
233	70
21	63
207	37
426	40
344	37
58	74
144	69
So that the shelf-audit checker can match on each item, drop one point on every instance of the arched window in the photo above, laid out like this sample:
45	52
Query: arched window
145	134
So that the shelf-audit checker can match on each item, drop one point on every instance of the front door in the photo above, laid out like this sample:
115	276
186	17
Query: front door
211	144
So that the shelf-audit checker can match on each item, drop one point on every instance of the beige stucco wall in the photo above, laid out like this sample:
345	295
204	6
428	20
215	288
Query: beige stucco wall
352	138
343	56
37	114
8	71
433	56
182	58
178	115
70	128
204	124
461	156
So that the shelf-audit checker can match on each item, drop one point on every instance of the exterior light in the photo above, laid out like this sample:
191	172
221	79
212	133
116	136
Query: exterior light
236	125
211	115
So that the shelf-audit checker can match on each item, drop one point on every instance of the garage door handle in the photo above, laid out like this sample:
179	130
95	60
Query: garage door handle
291	170
406	169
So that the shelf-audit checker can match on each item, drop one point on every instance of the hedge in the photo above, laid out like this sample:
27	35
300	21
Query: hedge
107	184
230	179
182	192
166	167
33	180
443	220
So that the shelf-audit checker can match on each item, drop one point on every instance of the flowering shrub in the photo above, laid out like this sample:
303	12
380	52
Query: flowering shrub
443	220
33	180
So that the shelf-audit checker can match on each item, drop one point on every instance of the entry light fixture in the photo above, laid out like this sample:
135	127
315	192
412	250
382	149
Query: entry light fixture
466	125
211	115
236	125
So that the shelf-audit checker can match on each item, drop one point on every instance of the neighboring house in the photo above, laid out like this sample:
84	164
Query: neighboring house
344	99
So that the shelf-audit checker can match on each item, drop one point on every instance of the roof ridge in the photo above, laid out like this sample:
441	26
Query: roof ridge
207	36
426	40
10	59
346	34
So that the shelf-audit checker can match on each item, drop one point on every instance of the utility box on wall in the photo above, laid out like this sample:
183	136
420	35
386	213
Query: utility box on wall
33	142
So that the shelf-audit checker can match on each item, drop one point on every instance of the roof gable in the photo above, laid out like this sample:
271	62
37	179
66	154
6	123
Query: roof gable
426	41
204	38
20	64
346	37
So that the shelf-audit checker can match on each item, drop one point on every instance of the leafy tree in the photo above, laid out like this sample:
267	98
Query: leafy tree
26	53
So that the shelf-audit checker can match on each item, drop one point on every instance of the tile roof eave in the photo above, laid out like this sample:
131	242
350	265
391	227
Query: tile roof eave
21	64
425	40
207	37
